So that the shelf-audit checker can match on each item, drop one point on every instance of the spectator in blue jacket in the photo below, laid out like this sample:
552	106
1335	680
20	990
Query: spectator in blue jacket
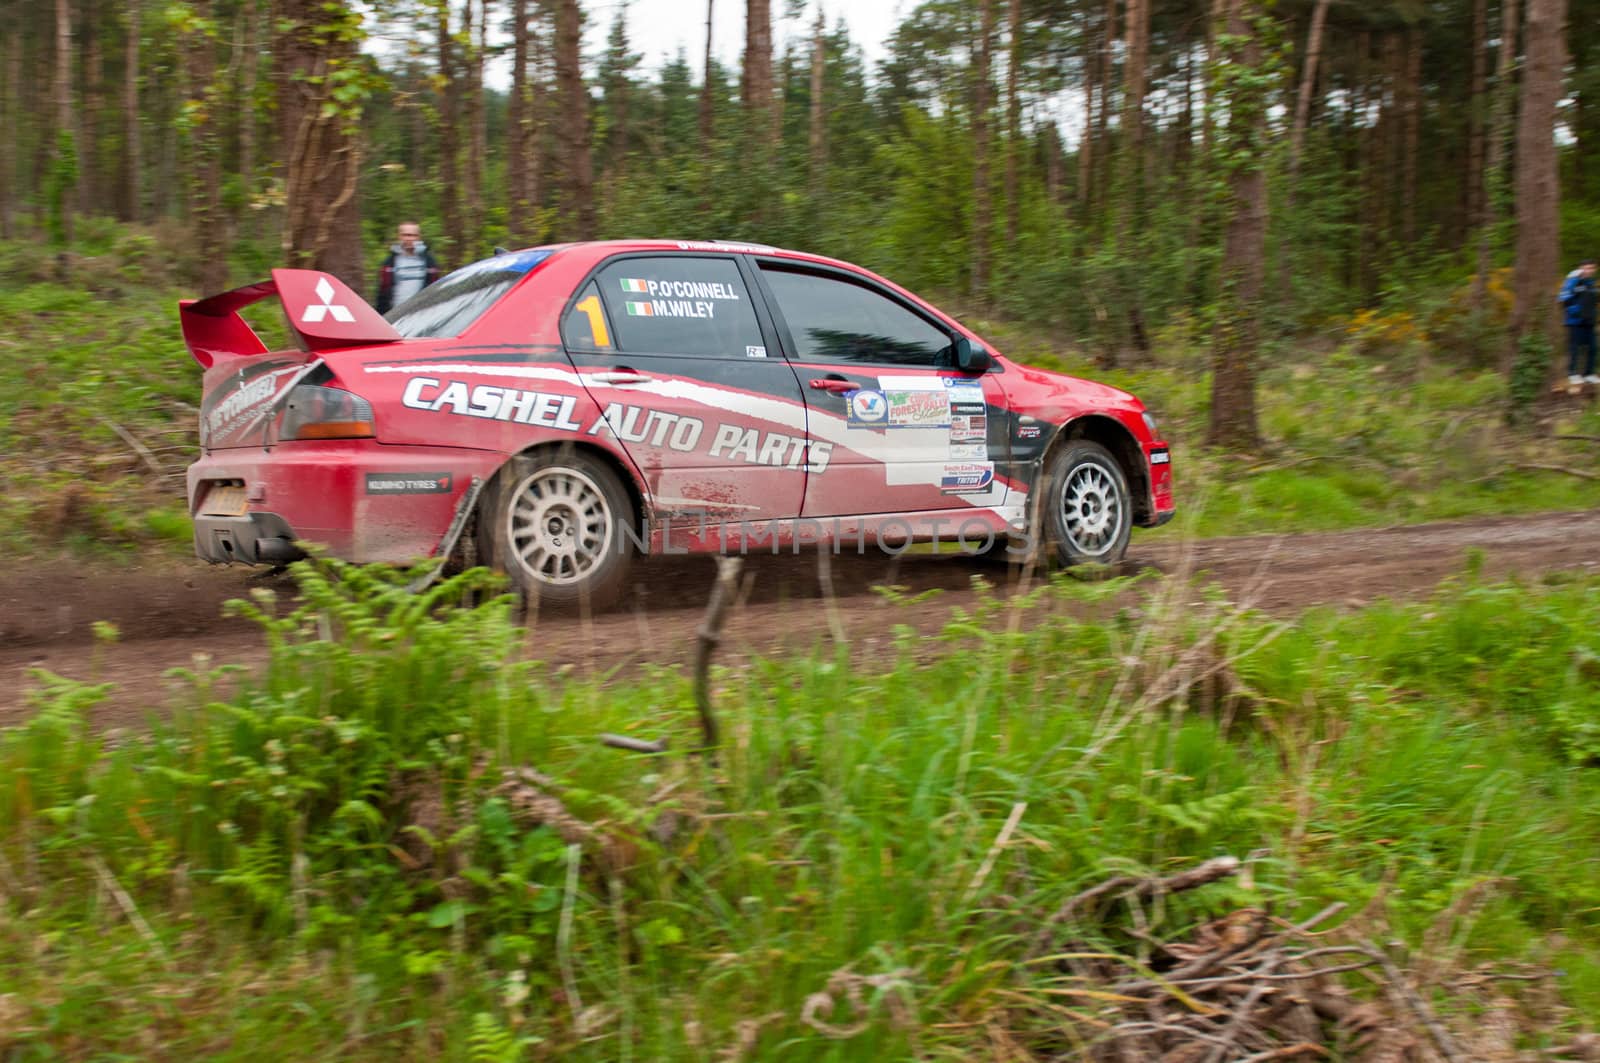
1578	299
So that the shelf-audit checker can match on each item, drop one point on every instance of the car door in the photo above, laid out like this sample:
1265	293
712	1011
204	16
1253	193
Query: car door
671	348
906	431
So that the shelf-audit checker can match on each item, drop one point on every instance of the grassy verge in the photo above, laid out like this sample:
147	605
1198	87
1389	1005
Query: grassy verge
405	840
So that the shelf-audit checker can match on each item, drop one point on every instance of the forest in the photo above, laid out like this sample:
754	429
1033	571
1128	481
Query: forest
1245	171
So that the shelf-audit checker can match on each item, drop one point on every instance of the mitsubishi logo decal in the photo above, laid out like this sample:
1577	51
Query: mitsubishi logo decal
317	311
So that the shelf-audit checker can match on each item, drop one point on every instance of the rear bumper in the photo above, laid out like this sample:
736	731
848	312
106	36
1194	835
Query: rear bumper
253	539
361	500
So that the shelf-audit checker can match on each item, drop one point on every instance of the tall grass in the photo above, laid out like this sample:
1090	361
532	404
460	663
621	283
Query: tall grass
403	833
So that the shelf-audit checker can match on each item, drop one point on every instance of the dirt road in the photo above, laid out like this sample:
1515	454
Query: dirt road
168	612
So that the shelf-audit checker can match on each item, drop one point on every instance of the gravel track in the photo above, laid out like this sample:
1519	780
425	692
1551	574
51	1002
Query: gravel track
169	611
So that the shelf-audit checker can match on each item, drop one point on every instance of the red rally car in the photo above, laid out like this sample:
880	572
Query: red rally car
565	408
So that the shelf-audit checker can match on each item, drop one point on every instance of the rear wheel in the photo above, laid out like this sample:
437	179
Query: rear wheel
557	525
1087	510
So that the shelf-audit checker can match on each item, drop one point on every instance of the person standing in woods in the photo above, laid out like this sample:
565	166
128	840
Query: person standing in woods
408	268
1578	296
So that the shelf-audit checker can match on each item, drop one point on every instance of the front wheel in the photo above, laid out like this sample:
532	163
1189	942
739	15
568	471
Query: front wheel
1087	510
557	525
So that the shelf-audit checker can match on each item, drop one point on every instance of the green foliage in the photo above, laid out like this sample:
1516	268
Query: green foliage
1528	374
61	186
353	801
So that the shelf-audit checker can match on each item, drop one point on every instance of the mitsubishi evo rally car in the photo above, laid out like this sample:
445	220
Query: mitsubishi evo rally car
561	409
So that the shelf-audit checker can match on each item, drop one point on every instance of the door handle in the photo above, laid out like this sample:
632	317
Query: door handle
621	376
836	384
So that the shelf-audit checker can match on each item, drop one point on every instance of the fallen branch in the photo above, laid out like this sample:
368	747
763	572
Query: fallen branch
1144	888
1399	987
633	745
848	984
129	909
710	636
994	851
138	448
1537	467
1241	1016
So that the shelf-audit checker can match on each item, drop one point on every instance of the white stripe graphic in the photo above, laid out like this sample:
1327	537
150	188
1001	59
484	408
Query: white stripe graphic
825	427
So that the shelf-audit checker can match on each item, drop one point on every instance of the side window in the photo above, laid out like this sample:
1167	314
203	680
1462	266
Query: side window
680	305
586	328
834	320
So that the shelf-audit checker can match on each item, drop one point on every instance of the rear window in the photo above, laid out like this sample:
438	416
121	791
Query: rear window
447	307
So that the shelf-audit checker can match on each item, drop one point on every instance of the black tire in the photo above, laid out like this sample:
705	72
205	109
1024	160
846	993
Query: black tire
558	524
1087	510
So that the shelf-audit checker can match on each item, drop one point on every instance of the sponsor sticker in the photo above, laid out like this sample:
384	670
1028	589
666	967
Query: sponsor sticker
968	478
969	452
868	407
408	483
918	409
1160	457
755	352
1028	431
967	428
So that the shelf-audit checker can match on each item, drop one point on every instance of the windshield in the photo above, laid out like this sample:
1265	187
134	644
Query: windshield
447	307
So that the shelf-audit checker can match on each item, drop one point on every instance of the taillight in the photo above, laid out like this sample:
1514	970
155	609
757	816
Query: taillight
317	412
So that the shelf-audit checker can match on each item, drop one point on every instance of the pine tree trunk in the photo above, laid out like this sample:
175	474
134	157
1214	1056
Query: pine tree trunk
819	126
1387	177
538	125
1092	58
449	138
1054	158
1538	178
66	146
1134	76
982	212
520	208
1242	275
205	182
1108	78
1130	191
90	197
1477	124
1494	152
472	178
620	146
1013	121
1308	84
248	119
578	221
10	109
1412	88
321	139
756	92
706	109
1207	117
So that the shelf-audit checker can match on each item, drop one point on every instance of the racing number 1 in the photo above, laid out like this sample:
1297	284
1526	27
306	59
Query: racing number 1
597	320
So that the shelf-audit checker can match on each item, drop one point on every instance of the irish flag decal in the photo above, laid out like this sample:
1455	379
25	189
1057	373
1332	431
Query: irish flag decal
641	309
631	285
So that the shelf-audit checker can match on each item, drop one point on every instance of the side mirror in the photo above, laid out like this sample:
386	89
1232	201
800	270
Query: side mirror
971	358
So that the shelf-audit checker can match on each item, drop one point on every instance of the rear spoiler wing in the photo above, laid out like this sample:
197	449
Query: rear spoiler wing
321	309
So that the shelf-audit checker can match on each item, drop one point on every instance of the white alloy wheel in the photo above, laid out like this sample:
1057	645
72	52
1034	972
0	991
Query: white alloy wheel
1092	510
1089	510
560	526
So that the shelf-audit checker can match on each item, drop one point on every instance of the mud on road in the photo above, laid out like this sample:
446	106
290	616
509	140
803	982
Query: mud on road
168	612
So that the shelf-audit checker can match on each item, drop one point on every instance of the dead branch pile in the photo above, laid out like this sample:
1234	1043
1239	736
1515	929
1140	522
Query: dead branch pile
1250	986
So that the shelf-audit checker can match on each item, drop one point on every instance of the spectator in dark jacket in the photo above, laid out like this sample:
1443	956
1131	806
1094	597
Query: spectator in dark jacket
1578	299
407	270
